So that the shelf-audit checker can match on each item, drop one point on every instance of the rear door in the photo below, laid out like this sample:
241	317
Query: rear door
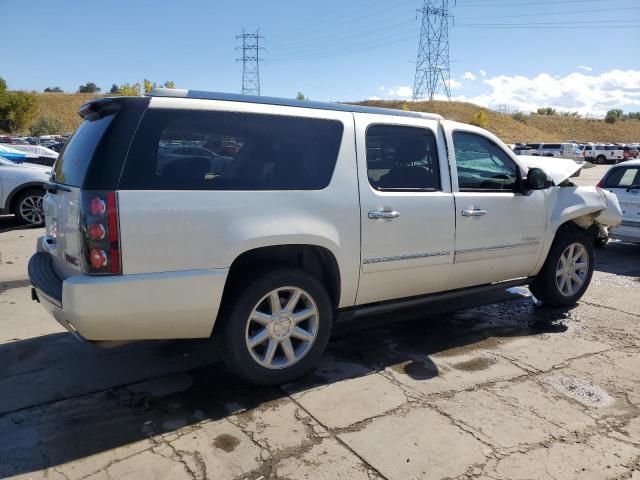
624	182
406	208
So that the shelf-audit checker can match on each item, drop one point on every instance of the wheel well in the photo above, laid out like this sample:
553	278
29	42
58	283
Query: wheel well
13	196
317	261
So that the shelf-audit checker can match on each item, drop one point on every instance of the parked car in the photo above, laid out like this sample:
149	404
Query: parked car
630	152
599	153
564	150
22	188
57	147
525	150
302	229
36	154
624	182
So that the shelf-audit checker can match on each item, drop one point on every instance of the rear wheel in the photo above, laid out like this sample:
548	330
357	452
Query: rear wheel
567	271
600	159
28	207
276	329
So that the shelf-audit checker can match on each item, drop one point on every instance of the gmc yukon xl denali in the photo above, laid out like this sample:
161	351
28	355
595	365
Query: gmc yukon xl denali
320	213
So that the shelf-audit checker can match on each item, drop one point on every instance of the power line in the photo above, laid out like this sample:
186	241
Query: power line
547	14
432	65
553	2
250	59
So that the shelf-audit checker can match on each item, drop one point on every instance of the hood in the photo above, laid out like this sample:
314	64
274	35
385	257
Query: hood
557	169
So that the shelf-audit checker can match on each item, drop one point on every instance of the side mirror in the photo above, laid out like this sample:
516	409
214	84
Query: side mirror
536	179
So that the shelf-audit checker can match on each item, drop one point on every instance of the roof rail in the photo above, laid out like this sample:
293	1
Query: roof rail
286	102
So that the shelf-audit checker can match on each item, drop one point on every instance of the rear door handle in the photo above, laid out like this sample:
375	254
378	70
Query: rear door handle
383	214
473	212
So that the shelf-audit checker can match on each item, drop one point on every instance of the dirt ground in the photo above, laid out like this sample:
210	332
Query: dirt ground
506	391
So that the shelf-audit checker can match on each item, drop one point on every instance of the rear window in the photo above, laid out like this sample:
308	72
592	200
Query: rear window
552	146
622	177
71	166
209	150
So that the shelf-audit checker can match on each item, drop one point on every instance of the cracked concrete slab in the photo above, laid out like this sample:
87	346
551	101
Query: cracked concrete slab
144	466
418	443
338	405
597	457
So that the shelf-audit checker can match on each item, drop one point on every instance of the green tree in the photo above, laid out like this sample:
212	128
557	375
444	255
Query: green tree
88	87
481	119
53	90
46	126
612	116
301	96
547	111
148	86
169	84
17	110
130	90
114	89
3	86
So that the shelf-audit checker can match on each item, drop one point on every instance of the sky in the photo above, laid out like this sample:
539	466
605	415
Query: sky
574	55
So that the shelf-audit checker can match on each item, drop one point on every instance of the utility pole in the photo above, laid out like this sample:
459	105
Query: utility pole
432	67
251	49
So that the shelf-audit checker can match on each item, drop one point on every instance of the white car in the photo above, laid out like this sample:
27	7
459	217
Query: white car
22	188
624	182
325	213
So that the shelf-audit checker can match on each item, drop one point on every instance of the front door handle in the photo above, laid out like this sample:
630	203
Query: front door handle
473	212
383	214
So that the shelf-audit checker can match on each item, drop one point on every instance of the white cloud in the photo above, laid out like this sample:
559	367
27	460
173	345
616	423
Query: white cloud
380	88
374	98
585	93
483	73
454	84
402	91
584	67
468	76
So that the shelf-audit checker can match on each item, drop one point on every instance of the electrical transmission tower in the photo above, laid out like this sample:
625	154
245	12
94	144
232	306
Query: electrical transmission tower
432	67
250	59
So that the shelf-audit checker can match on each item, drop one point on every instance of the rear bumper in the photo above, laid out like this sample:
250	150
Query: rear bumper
130	307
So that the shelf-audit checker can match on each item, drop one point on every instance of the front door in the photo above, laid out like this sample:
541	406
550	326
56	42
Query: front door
407	209
499	231
624	183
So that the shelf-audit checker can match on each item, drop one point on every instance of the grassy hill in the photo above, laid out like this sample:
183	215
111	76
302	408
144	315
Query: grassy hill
64	106
538	128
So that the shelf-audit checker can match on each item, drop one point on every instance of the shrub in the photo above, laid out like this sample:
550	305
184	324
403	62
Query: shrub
519	117
46	126
130	90
88	87
612	116
17	110
481	119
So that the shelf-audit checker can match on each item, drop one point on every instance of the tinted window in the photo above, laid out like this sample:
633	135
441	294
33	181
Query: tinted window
204	150
612	147
552	146
481	164
71	166
622	177
402	158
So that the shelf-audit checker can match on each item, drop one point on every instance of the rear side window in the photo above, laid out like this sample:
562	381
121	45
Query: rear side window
552	146
622	177
402	158
72	164
208	150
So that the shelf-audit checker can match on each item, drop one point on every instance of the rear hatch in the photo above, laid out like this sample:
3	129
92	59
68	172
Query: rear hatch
91	161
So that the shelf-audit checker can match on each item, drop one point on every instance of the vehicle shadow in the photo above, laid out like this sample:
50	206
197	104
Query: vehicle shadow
9	222
620	258
65	400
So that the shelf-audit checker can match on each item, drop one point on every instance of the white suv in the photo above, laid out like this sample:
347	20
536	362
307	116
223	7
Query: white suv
22	187
319	214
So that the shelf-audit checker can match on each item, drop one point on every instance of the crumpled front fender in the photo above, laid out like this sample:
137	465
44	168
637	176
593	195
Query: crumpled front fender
584	206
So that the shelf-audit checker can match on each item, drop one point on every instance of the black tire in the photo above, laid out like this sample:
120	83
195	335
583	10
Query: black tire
20	207
545	286
600	159
234	320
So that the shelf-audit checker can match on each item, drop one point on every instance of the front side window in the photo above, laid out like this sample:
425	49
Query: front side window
402	158
209	150
622	177
482	165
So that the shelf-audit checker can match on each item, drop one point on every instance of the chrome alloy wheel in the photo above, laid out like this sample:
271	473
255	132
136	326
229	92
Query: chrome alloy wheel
572	269
31	209
282	327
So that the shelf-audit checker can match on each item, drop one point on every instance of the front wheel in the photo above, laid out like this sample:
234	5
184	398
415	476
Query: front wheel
567	271
276	329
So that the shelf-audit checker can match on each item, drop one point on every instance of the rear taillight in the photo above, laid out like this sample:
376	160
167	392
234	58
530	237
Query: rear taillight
99	230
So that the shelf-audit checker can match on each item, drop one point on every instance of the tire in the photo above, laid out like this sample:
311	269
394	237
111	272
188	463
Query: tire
28	207
254	301
600	159
547	285
600	242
